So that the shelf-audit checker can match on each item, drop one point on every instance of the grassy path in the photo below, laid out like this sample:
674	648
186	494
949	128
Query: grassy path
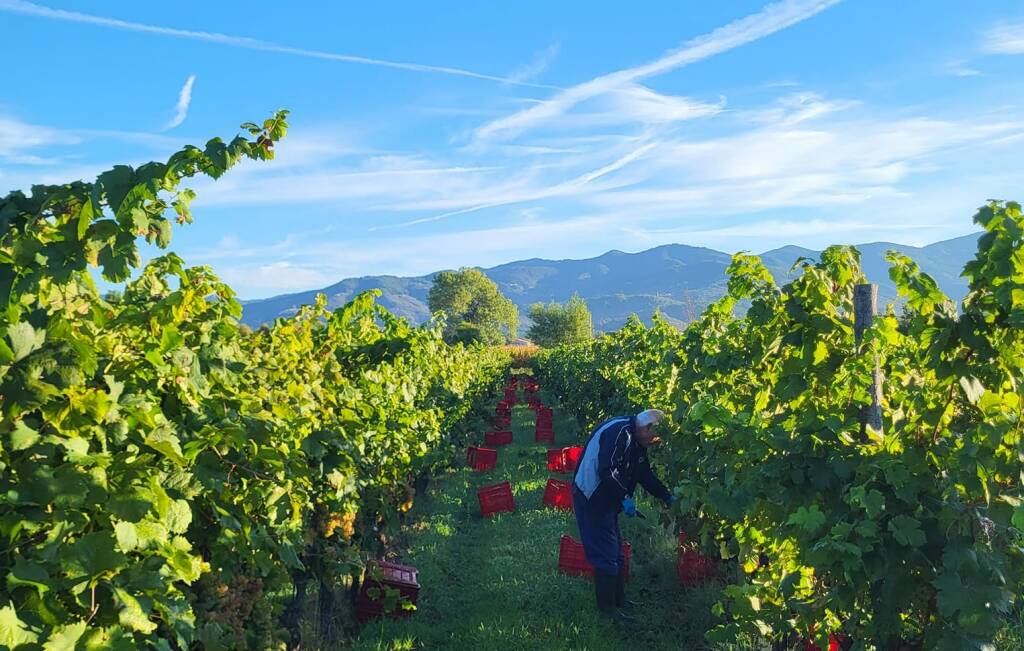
493	584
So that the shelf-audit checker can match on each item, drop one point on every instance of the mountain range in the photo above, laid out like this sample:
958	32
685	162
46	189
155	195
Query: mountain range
679	280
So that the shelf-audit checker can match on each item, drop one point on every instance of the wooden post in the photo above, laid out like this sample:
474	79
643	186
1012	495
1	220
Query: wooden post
865	308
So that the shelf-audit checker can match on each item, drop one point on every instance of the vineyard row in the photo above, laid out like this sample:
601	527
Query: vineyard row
903	537
170	479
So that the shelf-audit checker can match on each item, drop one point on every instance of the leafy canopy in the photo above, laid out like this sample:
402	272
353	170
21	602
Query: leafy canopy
476	309
556	324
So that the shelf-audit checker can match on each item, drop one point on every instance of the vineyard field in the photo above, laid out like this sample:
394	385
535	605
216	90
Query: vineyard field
174	480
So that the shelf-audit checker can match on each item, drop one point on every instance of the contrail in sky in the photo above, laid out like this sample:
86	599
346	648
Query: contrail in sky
33	9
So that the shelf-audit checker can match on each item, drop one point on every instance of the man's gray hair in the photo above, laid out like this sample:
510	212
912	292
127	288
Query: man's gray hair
649	417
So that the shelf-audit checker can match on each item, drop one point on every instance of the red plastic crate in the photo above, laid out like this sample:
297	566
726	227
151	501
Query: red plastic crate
481	458
555	460
695	568
496	499
572	560
381	575
544	435
571	457
501	437
558	494
564	459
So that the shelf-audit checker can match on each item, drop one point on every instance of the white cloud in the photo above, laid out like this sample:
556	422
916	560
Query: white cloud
1007	38
648	107
541	61
959	69
568	188
18	139
275	277
769	20
33	9
631	105
800	150
254	185
184	99
785	165
798	107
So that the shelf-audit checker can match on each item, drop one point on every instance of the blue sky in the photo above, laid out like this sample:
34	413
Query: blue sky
442	134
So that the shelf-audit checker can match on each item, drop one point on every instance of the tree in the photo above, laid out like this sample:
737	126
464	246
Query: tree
555	324
475	307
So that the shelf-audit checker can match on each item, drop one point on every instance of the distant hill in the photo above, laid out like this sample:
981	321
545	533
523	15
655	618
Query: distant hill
679	280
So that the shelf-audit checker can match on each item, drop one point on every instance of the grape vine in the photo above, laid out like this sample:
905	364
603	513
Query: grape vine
166	474
908	538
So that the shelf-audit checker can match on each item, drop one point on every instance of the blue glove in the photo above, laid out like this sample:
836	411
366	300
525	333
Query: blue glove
629	506
672	500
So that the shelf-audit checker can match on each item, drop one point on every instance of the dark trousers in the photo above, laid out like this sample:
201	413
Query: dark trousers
600	535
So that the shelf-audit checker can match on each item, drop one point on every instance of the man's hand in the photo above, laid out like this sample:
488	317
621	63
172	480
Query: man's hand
629	507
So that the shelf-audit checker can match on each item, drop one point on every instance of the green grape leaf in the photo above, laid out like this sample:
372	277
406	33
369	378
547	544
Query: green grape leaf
13	631
23	436
116	183
820	352
132	615
874	503
808	519
131	509
24	339
164	441
127	537
289	557
94	555
65	638
179	516
1018	518
111	638
907	531
29	574
186	566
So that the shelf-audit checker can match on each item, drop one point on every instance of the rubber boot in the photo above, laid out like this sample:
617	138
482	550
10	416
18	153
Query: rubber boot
605	589
620	596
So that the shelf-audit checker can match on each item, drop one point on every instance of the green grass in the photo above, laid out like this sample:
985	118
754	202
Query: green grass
493	583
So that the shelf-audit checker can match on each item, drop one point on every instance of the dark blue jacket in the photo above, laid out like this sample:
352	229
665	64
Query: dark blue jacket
613	463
